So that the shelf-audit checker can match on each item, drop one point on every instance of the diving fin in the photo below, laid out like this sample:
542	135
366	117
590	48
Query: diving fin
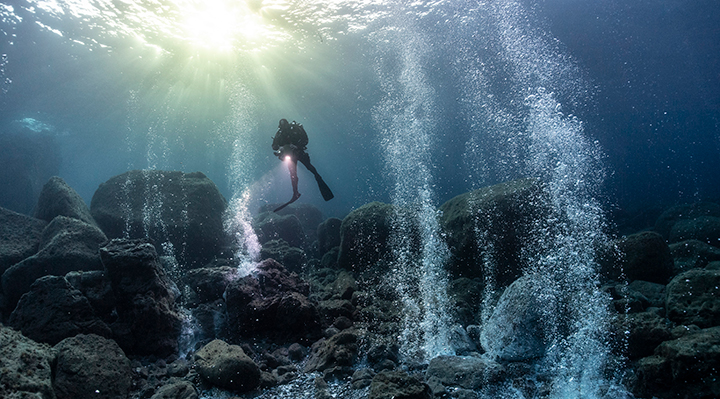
294	198
324	189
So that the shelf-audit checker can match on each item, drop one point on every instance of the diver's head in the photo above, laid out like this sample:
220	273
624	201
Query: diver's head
283	123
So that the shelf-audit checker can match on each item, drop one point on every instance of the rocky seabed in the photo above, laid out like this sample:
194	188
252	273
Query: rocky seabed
139	296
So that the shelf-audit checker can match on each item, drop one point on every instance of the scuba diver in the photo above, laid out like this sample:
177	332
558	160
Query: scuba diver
289	145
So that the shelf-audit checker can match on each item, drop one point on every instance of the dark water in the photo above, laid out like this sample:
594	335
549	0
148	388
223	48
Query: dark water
614	105
134	85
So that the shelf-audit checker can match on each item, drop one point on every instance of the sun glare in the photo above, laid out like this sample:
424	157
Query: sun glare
223	24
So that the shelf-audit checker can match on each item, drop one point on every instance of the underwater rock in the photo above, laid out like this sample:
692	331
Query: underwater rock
19	237
95	286
179	389
332	309
66	245
673	215
53	310
464	372
271	226
643	256
693	297
514	331
272	302
90	366
57	198
328	235
336	353
686	367
692	254
183	209
25	366
364	236
148	322
644	331
653	292
209	283
500	219
466	296
227	366
292	258
703	228
398	385
309	216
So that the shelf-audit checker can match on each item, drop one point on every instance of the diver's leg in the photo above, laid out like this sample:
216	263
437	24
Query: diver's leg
305	159
292	167
324	189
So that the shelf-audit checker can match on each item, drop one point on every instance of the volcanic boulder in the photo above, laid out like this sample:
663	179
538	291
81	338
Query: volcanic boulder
686	367
19	237
90	366
693	297
148	321
66	245
25	366
227	366
57	198
499	219
328	233
182	209
514	331
642	256
53	310
364	236
272	302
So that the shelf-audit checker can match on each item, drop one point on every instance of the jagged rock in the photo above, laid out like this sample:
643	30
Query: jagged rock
209	283
292	258
53	310
499	219
686	367
271	226
644	331
693	297
57	198
514	331
95	286
66	245
703	228
364	236
671	216
397	385
176	390
336	353
19	237
272	302
464	372
25	367
148	320
692	254
227	366
90	366
184	209
328	234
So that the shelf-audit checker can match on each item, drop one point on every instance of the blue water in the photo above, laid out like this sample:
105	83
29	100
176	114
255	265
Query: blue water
614	105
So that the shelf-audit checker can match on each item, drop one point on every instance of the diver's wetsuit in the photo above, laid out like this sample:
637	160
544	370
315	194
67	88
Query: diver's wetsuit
291	140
